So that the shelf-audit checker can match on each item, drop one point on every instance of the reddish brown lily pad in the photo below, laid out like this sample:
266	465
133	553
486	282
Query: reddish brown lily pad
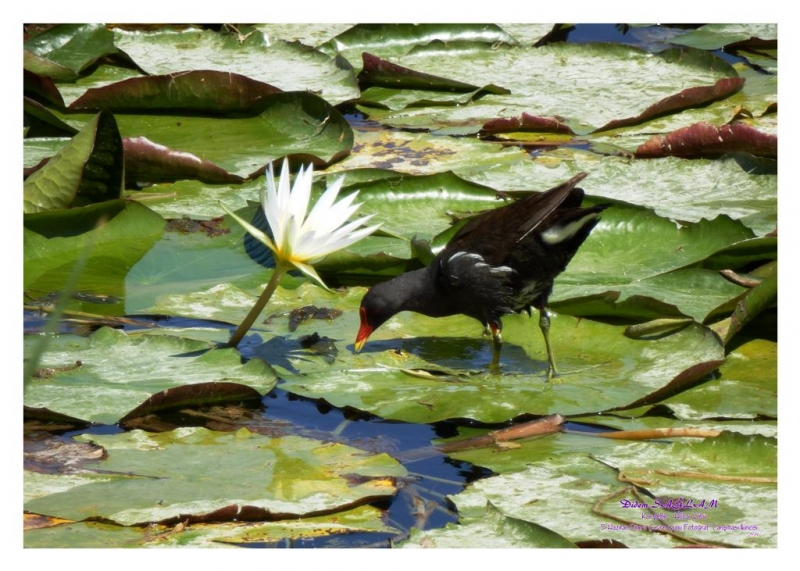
681	382
691	97
147	162
198	394
526	122
42	418
377	72
214	92
705	140
42	89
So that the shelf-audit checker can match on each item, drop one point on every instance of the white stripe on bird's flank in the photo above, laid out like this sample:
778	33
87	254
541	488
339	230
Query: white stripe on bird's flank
462	253
481	263
557	234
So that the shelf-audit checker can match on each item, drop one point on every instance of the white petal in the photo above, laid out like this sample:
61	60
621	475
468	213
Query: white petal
337	215
321	210
288	247
308	270
350	227
306	242
337	210
284	201
258	234
269	203
301	193
352	238
342	238
354	235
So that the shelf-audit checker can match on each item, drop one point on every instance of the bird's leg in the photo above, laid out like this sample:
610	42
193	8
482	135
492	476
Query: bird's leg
544	325
497	343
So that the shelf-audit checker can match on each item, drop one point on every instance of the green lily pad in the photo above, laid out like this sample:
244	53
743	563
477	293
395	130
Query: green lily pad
84	534
386	40
88	169
494	529
678	189
733	471
527	33
536	79
608	259
716	36
289	66
424	154
313	35
422	206
38	149
195	199
763	58
197	474
111	236
291	122
363	519
73	46
578	439
651	417
760	93
747	387
744	253
103	390
596	376
748	308
675	292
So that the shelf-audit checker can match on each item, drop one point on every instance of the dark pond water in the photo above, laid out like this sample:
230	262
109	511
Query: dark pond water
432	476
650	38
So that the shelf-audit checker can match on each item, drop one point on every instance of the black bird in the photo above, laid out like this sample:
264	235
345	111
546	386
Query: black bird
502	261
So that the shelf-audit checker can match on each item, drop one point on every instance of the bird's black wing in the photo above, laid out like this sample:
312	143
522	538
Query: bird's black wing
494	233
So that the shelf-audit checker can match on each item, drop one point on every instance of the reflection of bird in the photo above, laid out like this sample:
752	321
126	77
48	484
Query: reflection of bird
502	261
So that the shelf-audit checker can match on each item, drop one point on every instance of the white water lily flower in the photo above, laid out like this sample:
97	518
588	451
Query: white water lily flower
298	240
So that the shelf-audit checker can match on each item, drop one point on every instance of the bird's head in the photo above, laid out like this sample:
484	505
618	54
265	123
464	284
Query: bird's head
376	308
410	291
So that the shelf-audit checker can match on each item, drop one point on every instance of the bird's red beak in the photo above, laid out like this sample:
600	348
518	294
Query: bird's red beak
364	331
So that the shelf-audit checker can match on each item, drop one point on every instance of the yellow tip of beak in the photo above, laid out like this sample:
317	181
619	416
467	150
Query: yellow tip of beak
363	332
361	338
359	344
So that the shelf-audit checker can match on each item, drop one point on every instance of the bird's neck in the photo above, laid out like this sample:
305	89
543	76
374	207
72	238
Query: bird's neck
420	294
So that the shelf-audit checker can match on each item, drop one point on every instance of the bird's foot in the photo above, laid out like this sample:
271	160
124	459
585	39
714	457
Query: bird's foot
495	368
553	376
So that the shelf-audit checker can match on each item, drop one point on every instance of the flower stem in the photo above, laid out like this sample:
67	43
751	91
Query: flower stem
265	296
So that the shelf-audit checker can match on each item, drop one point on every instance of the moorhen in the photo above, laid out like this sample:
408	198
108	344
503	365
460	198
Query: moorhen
502	261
